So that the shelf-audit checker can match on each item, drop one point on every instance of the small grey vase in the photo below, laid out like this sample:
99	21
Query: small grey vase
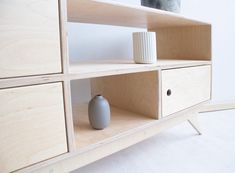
99	112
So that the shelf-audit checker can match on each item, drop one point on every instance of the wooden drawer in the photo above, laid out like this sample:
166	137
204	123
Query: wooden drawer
32	125
185	87
29	38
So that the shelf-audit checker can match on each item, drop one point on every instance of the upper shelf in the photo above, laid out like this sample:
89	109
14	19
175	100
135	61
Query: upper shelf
90	69
115	13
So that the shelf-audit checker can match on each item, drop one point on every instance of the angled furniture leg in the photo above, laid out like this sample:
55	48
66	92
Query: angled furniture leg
193	121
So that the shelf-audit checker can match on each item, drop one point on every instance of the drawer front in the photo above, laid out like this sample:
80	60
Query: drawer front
29	38
185	87
32	125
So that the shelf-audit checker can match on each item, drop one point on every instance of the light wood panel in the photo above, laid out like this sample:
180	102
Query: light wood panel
108	147
64	35
31	32
97	68
66	81
30	80
90	69
136	92
187	43
189	86
69	116
32	125
121	121
114	13
218	106
29	38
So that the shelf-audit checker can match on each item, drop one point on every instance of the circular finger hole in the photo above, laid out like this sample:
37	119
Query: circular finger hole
168	92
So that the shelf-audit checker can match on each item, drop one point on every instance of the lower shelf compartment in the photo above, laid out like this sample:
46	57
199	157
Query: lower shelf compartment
122	122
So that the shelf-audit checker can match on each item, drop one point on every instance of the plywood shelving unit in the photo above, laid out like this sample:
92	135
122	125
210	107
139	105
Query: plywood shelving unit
137	92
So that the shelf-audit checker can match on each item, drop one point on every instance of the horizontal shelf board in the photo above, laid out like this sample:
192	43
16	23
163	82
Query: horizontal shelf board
121	122
115	13
90	69
30	80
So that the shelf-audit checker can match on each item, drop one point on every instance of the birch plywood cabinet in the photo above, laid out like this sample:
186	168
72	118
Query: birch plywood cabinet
43	131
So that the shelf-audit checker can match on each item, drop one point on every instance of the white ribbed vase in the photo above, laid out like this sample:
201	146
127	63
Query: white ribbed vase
145	47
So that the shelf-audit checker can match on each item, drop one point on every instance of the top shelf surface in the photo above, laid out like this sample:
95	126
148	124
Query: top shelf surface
114	13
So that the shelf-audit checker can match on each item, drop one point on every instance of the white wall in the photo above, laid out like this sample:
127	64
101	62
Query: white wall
221	14
92	41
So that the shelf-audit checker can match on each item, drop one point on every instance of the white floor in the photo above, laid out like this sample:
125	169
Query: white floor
179	150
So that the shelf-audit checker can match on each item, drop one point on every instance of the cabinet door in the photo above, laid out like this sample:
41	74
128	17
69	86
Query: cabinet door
185	87
29	38
32	125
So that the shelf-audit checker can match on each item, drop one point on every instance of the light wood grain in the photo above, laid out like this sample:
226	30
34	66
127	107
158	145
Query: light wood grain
189	86
136	92
33	39
70	161
218	106
87	137
30	80
69	115
98	68
90	69
32	125
29	38
191	42
63	35
117	143
114	13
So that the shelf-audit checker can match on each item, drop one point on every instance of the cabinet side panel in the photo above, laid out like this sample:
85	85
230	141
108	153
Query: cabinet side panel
133	92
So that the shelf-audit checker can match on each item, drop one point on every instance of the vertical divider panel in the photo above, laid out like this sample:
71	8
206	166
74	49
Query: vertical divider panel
159	76
66	83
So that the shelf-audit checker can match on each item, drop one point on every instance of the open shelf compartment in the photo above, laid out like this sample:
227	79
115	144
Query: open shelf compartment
134	104
122	121
181	42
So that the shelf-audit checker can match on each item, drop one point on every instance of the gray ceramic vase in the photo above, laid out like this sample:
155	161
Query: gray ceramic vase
99	112
167	5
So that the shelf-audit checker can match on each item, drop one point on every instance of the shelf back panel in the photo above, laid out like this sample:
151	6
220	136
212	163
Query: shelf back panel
185	43
138	92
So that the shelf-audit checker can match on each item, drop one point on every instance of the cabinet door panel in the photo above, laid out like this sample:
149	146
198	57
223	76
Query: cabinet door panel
29	38
32	125
185	87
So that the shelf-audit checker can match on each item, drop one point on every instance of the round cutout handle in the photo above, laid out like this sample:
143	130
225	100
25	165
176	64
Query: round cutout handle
169	92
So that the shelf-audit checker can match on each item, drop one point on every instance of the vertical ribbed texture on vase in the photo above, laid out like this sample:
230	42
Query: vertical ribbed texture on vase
145	47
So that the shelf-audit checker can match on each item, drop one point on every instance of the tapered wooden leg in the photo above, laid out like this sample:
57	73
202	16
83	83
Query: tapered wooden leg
193	121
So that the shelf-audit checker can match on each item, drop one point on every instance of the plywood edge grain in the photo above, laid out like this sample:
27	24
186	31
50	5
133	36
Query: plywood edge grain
219	106
31	80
